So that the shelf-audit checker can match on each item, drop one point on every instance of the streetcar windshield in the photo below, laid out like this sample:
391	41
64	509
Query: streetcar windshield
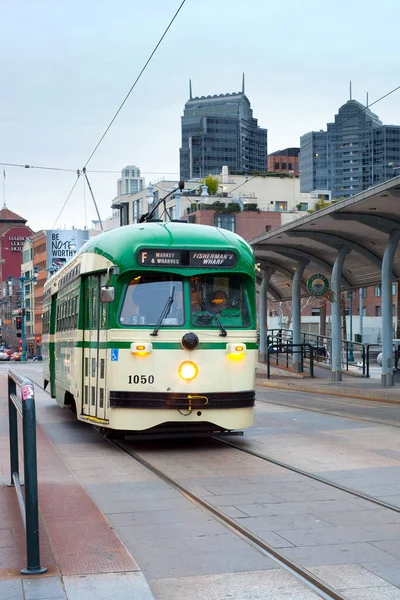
219	298
146	297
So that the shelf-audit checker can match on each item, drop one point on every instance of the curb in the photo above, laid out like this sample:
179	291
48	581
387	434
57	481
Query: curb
310	390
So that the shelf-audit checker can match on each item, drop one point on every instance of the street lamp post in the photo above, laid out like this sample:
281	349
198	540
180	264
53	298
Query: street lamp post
23	281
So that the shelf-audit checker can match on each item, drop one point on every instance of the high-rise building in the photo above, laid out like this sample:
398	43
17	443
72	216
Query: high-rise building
220	130
356	152
130	181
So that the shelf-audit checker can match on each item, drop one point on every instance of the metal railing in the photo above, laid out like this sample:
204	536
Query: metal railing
378	350
25	408
284	351
352	353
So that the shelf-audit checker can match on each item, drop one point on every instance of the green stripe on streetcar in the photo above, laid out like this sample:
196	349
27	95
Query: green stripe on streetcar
156	345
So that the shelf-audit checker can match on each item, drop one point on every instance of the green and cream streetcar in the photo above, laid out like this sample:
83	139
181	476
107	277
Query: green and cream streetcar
154	326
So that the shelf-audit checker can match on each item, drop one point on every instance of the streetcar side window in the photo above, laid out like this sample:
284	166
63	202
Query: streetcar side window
221	297
147	297
94	308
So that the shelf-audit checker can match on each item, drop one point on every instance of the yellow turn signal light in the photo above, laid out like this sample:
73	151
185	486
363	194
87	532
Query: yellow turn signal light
141	348
188	370
236	351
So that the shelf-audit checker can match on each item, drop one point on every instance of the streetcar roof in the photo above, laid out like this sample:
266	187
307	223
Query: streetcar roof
118	245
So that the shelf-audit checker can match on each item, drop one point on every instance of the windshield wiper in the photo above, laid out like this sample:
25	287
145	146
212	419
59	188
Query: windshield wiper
164	312
205	303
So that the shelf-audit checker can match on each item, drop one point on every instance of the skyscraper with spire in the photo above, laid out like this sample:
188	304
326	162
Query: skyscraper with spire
221	130
355	152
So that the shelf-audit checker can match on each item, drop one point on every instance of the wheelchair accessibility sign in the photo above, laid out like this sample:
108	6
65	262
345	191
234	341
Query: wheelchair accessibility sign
114	353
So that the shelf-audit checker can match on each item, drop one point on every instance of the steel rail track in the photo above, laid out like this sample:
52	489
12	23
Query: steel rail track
326	412
283	465
302	574
323	480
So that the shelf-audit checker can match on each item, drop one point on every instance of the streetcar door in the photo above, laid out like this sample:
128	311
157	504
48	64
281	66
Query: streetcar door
94	350
51	345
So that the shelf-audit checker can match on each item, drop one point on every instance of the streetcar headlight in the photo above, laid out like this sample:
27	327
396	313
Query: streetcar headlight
141	348
236	351
188	370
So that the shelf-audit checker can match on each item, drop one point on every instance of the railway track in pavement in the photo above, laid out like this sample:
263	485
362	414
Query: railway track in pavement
312	476
344	413
302	574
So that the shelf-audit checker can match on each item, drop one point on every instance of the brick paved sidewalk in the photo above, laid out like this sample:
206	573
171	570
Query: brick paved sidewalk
84	557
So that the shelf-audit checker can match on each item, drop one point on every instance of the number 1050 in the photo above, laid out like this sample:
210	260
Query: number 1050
140	379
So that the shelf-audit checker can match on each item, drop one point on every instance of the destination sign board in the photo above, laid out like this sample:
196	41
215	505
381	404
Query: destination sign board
153	257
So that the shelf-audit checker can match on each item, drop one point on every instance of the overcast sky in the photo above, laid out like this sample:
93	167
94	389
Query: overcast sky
66	66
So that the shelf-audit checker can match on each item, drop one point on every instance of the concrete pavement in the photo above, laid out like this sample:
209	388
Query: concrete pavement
101	512
351	387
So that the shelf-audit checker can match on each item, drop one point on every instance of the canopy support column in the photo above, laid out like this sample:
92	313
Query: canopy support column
387	376
296	312
263	308
336	314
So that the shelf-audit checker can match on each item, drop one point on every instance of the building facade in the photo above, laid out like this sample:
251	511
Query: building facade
284	161
130	181
355	152
221	130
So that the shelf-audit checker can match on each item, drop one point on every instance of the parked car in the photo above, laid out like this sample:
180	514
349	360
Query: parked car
16	356
4	356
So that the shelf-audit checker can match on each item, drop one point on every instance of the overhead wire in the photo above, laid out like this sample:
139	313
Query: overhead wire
5	164
121	105
63	169
134	83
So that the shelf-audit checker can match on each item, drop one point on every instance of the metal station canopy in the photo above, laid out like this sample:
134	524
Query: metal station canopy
363	223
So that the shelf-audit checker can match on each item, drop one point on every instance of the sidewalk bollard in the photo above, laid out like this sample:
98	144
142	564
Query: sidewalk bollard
30	507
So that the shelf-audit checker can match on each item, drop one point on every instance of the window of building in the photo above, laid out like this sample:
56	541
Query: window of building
364	292
394	289
377	291
124	214
225	221
284	166
303	206
378	311
290	165
277	166
393	310
364	311
133	186
280	206
315	312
